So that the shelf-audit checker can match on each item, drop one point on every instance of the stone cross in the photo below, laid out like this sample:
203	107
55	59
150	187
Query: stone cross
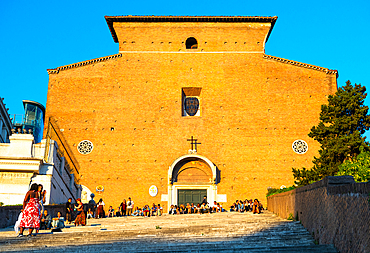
193	143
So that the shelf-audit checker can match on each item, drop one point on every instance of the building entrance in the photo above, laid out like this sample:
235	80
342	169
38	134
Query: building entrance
190	196
190	178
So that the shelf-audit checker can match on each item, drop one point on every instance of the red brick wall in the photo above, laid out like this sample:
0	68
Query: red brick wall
252	109
335	210
210	36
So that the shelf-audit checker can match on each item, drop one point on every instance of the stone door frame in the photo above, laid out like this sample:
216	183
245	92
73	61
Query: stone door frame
172	188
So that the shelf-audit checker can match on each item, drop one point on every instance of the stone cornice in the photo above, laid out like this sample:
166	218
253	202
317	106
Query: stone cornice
303	65
19	163
193	19
16	158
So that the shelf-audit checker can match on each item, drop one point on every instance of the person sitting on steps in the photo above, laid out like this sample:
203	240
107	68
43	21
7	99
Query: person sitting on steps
58	223
111	212
45	220
256	207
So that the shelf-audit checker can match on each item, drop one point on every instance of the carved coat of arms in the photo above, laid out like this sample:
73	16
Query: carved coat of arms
191	105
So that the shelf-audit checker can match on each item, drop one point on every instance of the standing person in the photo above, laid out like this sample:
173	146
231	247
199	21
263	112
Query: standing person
100	209
92	204
31	214
41	195
130	206
81	218
69	211
204	200
18	222
159	210
123	208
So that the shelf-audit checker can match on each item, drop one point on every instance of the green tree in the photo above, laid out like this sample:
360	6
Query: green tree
359	168
343	121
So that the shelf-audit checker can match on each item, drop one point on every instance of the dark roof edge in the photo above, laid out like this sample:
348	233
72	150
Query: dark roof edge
301	64
221	19
119	55
83	63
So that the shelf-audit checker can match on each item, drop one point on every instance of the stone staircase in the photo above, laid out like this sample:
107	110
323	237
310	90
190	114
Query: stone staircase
222	232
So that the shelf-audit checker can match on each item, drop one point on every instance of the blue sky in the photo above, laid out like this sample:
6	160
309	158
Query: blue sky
37	35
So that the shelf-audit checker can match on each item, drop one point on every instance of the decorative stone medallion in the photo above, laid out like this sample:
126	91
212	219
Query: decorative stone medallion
85	147
99	188
153	190
300	146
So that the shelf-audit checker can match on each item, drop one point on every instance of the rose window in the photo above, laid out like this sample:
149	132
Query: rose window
300	146
85	147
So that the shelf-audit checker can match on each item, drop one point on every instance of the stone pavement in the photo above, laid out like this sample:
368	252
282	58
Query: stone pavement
222	232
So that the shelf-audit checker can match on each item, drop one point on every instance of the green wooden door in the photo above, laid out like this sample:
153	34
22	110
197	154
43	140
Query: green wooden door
190	196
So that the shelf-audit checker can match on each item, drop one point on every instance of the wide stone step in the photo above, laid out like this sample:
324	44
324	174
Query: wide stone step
143	246
226	232
96	242
118	235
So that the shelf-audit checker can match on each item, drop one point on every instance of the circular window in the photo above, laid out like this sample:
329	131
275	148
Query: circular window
300	146
85	147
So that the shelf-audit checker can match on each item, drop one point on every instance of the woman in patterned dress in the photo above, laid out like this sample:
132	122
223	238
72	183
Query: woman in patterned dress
31	214
81	218
41	196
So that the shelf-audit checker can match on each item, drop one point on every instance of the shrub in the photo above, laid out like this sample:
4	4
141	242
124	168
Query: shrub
273	191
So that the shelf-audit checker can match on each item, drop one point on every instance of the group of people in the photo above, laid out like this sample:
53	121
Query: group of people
34	217
126	208
199	208
241	206
78	208
96	210
147	211
47	222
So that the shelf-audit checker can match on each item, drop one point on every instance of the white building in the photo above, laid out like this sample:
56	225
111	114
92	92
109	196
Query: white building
22	163
5	123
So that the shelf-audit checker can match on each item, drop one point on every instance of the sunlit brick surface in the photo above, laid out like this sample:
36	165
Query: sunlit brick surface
253	107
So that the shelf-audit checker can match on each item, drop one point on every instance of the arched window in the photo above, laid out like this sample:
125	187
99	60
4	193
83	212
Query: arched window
191	43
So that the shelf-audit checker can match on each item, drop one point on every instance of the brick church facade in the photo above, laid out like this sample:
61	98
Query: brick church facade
189	106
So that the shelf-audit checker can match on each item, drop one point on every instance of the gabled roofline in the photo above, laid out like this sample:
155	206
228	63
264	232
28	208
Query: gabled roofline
83	63
269	57
211	19
300	64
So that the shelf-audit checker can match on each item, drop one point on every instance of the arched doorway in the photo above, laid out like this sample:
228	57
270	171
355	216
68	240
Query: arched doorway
190	177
